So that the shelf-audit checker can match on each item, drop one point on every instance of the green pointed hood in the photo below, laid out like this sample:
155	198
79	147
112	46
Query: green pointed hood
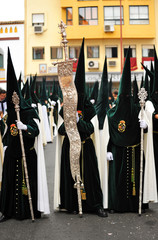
123	117
80	78
146	85
102	102
110	88
44	96
135	91
94	94
125	82
34	97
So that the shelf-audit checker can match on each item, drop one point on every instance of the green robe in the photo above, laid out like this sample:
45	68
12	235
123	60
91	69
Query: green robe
124	170
89	172
13	203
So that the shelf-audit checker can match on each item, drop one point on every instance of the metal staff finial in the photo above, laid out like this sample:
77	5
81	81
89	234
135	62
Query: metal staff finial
142	95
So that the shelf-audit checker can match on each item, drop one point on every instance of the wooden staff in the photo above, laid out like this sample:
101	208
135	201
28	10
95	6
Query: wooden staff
142	95
15	100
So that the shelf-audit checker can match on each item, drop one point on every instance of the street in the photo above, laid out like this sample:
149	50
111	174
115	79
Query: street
59	226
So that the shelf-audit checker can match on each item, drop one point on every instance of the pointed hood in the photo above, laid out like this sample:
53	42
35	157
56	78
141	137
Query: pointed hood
34	97
110	88
28	94
123	117
80	78
142	82
102	102
146	85
54	95
125	82
19	82
135	91
94	94
44	96
12	85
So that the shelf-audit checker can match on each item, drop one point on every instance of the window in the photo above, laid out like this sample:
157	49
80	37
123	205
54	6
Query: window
93	52
1	60
74	52
139	14
38	53
147	51
132	52
112	15
56	52
68	16
111	52
37	19
88	16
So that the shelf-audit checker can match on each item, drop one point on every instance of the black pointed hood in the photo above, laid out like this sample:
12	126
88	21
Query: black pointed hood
102	102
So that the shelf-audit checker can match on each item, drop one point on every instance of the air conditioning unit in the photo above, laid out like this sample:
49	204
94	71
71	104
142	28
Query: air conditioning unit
93	64
38	29
112	63
108	28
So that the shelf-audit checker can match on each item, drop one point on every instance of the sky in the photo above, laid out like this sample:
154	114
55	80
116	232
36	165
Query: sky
11	10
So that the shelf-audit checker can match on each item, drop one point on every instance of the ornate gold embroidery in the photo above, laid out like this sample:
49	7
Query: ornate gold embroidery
13	130
121	126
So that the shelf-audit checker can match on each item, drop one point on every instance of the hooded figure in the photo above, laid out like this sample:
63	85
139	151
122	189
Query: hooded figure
14	197
45	111
154	100
135	91
65	196
94	93
101	109
124	131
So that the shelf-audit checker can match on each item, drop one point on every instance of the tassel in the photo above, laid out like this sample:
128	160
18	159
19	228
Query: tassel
24	188
83	194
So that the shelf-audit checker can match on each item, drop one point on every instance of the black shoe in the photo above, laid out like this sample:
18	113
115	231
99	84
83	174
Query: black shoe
102	213
3	219
111	211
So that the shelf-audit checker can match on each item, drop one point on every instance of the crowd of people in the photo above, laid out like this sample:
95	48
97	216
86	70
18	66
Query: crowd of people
109	123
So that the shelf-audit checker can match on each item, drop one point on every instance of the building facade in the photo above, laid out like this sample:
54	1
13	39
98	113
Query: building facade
108	26
12	36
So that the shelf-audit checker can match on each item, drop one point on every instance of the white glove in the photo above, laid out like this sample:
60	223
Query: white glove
92	101
143	124
109	156
77	117
53	103
33	105
4	148
20	125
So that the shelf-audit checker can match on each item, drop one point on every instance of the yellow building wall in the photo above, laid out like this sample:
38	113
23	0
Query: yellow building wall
48	38
137	35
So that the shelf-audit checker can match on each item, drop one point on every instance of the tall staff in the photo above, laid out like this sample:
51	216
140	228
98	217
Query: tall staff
142	95
70	99
15	100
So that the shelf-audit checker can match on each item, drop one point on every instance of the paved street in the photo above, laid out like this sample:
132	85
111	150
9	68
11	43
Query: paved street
59	226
